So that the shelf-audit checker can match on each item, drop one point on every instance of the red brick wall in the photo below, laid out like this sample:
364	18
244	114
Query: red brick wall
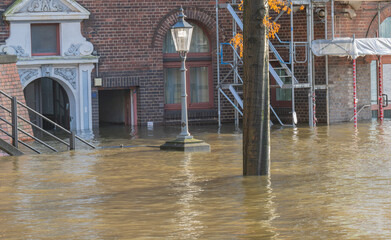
128	36
129	39
10	84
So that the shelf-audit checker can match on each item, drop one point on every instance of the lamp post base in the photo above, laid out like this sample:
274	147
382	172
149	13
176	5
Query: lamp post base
186	145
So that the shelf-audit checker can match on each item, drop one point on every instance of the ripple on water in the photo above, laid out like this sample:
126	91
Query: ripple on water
326	183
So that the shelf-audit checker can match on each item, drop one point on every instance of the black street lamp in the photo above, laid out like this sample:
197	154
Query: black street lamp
181	33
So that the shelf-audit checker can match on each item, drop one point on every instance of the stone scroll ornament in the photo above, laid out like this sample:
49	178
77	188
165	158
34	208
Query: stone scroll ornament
27	74
80	49
13	50
45	6
69	74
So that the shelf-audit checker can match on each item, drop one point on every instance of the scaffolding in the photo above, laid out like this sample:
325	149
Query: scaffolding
230	87
230	84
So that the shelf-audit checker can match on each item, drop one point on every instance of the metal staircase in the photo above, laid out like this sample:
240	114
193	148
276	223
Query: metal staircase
278	69
13	149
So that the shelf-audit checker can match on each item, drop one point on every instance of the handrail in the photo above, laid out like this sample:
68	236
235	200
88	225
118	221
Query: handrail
278	38
274	50
278	118
300	44
46	119
21	142
229	100
85	142
283	64
362	108
43	130
5	109
36	139
233	49
42	116
235	16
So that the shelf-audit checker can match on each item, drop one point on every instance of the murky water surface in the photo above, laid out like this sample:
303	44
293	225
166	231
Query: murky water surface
325	183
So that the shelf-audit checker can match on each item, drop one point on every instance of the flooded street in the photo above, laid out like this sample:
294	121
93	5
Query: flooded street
326	183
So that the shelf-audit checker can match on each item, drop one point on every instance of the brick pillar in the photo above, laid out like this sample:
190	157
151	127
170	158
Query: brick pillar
10	84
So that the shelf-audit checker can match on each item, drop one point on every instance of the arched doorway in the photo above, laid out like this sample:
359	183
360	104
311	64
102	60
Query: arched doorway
49	98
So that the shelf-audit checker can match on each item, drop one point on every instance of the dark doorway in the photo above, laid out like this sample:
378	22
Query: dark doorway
117	107
49	98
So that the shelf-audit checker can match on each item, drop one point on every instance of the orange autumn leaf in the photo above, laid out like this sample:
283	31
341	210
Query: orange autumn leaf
237	42
271	26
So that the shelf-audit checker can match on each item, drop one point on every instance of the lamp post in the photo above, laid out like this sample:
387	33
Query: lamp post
181	34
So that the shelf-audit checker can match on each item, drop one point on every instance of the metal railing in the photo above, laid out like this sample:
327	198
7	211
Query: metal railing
15	128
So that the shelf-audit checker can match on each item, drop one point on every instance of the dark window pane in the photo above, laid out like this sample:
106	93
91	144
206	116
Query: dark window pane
199	85
199	41
172	89
169	46
283	94
44	39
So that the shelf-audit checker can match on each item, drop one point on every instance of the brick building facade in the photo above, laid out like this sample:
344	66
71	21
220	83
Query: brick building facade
129	37
10	85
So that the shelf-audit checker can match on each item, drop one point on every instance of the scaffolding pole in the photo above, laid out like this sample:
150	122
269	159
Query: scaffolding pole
332	19
380	114
235	63
221	81
311	115
218	63
294	117
327	70
380	96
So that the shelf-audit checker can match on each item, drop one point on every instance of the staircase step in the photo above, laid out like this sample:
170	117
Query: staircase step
8	148
282	68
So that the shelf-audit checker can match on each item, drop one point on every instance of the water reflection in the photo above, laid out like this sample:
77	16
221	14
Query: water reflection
187	214
326	183
259	208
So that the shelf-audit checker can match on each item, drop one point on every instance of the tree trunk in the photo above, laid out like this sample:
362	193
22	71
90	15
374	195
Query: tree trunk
256	119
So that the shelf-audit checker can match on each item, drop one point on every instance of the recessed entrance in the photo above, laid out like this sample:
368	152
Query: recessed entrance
118	107
49	98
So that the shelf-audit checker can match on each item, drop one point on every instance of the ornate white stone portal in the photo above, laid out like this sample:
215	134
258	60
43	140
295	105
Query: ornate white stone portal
71	67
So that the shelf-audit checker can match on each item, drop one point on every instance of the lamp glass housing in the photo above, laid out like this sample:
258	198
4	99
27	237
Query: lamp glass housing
182	38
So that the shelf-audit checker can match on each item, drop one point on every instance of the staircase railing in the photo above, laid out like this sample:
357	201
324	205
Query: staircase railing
15	128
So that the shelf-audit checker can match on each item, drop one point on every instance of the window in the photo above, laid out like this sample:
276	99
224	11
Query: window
45	39
283	94
198	76
281	97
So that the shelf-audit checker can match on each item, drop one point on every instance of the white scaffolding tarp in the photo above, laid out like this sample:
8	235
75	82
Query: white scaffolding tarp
352	47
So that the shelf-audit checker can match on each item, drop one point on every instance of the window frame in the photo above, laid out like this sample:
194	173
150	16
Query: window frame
57	53
190	105
273	96
194	59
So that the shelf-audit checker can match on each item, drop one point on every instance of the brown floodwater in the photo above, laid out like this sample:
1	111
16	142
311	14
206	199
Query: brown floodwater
325	183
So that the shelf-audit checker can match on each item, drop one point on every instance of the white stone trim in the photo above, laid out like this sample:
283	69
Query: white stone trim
19	11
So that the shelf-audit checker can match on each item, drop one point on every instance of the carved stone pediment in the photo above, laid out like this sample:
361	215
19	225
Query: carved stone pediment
25	10
44	6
